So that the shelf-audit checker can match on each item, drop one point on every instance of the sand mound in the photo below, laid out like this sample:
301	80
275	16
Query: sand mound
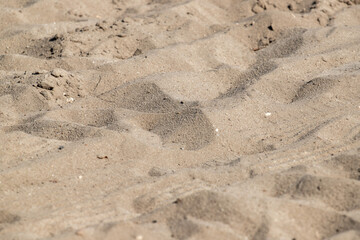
186	119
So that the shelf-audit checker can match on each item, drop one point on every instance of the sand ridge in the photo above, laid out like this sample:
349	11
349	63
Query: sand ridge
186	119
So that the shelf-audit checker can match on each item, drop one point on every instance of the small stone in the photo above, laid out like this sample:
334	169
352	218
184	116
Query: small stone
157	172
85	232
45	94
39	72
262	4
137	52
322	21
46	85
257	9
58	72
70	100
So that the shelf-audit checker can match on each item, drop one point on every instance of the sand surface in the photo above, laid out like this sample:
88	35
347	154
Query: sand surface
182	119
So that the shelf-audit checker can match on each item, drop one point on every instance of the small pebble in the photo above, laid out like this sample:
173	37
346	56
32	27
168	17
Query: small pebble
39	72
45	94
48	85
70	100
157	172
58	72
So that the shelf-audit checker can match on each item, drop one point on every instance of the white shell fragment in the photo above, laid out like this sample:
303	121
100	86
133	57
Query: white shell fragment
70	100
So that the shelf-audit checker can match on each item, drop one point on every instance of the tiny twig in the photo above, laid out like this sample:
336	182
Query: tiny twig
97	84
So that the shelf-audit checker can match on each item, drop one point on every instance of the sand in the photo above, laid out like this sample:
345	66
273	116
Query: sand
183	119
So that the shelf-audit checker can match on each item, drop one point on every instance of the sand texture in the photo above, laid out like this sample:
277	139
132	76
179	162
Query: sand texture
180	119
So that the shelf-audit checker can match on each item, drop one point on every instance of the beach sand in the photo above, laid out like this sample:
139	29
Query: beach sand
183	119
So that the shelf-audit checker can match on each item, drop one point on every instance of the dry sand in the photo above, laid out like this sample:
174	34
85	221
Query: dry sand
183	119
